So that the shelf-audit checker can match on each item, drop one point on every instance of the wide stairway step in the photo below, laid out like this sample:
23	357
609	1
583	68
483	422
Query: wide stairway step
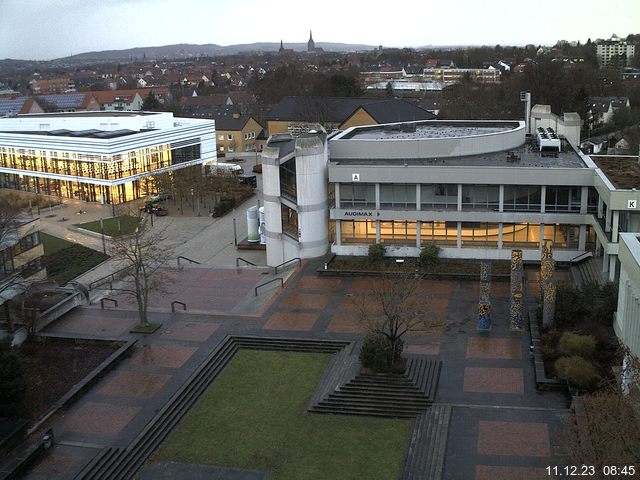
428	445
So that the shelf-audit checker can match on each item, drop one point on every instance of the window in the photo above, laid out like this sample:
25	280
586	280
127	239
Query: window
439	196
520	235
289	221
522	198
357	195
480	197
357	231
474	234
230	136
440	233
398	196
398	232
562	199
220	137
288	186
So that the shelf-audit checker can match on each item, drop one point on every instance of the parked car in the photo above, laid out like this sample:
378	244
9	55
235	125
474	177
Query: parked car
159	197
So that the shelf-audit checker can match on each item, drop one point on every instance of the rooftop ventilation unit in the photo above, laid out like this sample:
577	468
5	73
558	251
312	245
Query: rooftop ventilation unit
548	140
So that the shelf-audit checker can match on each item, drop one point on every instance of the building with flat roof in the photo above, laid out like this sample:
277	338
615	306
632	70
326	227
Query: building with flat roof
477	189
107	157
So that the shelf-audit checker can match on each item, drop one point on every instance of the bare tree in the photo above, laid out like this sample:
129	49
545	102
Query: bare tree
142	254
11	280
394	307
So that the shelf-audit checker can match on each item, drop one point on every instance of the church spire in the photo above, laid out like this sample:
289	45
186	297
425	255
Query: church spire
311	46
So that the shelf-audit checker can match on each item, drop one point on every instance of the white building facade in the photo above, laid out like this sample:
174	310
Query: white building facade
107	157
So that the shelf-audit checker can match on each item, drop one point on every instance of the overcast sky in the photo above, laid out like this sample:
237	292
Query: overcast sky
47	29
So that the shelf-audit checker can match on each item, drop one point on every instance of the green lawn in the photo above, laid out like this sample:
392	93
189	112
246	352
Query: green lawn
253	417
66	260
114	226
53	244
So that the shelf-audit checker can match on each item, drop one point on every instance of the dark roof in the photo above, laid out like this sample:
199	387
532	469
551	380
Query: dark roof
396	110
601	104
339	109
11	106
229	122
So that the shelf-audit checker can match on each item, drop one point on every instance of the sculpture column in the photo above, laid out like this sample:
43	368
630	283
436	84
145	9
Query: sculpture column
517	276
484	304
547	284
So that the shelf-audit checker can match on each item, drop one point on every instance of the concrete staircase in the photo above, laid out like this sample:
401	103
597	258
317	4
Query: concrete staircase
427	447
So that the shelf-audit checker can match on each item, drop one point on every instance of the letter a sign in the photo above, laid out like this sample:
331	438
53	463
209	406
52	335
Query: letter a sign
355	177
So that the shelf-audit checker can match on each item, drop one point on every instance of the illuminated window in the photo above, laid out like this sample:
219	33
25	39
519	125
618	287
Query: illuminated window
357	231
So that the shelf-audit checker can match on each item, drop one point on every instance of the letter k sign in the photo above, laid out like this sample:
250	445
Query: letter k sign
632	204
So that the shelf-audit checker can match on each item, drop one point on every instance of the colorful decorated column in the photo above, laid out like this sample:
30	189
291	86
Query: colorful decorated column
547	284
484	305
517	276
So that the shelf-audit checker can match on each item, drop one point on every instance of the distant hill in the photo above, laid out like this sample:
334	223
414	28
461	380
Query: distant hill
187	50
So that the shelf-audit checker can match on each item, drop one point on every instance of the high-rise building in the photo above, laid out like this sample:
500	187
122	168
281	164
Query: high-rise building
615	49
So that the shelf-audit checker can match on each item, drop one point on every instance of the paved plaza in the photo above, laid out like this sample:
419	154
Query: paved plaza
501	426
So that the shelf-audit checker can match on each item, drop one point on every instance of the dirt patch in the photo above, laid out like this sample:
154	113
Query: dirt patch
52	368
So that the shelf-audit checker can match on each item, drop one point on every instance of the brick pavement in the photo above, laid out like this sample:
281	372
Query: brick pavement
501	427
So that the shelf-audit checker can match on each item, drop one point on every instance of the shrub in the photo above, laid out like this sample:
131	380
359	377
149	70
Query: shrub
377	356
257	168
12	382
577	371
572	344
376	253
223	206
429	256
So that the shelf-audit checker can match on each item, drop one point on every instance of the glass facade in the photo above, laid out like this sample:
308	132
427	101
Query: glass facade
439	196
357	195
357	231
522	198
400	196
479	234
398	232
441	233
480	197
562	199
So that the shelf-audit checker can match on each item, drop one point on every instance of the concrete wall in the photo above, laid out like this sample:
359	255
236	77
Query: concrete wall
313	211
567	125
272	212
627	321
400	148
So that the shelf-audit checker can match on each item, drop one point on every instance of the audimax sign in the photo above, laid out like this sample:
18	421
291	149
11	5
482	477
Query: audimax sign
361	213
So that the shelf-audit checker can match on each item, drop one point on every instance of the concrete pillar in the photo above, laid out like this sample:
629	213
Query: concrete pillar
336	190
459	197
418	197
338	233
607	221
615	221
582	239
600	206
612	267
543	198
501	199
500	236
459	238
541	238
584	198
605	263
377	230
377	196
418	234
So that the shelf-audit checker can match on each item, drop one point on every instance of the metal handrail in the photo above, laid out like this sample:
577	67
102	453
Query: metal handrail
106	279
267	283
238	259
173	305
297	259
187	259
102	300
